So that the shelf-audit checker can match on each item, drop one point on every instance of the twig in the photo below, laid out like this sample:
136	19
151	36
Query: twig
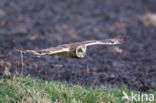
22	62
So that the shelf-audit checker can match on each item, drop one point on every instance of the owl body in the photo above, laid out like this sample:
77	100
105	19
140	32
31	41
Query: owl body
75	51
72	50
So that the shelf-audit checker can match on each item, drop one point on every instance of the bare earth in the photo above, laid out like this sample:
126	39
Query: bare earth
39	24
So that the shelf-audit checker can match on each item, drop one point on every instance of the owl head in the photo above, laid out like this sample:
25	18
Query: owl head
80	51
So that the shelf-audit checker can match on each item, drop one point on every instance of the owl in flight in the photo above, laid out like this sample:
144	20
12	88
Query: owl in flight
72	50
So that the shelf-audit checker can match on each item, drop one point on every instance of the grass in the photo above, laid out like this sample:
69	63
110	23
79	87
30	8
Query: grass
33	90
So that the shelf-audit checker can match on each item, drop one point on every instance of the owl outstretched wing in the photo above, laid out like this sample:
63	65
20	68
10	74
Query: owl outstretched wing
49	51
103	42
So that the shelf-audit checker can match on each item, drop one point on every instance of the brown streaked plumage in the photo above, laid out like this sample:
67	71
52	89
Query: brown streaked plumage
72	50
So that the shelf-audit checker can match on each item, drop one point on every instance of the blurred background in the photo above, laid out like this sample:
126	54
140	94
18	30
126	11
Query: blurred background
39	24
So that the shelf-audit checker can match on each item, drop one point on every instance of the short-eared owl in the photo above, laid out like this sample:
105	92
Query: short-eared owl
72	50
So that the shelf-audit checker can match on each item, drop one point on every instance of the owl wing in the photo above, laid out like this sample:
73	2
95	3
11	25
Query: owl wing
103	42
49	51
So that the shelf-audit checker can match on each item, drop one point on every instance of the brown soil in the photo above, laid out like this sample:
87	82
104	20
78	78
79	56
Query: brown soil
36	24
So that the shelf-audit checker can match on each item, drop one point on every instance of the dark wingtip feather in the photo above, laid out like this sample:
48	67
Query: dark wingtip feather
122	40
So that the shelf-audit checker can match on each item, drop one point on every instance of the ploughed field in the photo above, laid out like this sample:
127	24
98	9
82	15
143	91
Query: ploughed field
38	24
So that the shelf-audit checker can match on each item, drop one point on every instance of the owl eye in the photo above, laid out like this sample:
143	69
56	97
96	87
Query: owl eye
80	50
